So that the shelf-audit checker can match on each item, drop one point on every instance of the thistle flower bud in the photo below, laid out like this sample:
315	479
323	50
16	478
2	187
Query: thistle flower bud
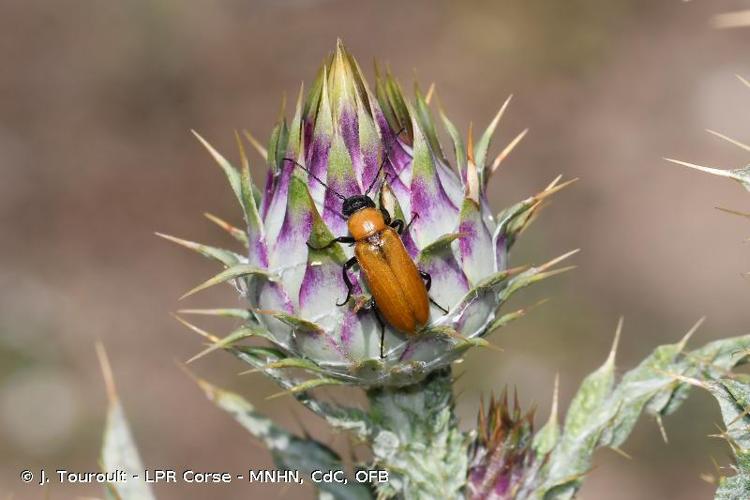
345	140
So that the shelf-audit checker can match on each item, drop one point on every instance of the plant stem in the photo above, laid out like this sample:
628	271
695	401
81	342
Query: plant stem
417	440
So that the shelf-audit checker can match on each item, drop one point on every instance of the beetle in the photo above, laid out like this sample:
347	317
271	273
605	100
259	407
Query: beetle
399	289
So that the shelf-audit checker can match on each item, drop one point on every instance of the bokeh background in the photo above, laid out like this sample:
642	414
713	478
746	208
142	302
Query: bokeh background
96	103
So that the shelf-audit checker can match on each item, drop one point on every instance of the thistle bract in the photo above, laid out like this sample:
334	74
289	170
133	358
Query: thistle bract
348	137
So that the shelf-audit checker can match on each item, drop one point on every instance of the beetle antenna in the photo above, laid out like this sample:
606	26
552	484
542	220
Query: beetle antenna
315	177
382	164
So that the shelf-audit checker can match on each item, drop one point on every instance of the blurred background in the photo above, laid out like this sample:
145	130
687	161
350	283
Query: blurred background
96	103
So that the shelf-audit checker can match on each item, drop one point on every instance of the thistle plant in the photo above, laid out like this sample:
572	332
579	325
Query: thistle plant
343	138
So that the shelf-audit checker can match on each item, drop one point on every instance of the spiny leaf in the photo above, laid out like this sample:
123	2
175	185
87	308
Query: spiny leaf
306	386
231	339
226	257
513	220
548	436
299	324
289	451
480	150
262	151
458	144
608	420
234	272
424	118
508	149
250	198
233	175
533	275
590	396
235	232
301	363
119	452
506	318
440	243
228	313
344	418
741	175
729	139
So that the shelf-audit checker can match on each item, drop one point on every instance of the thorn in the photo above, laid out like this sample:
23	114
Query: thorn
168	237
199	331
554	182
615	343
621	453
430	92
235	232
470	143
557	260
517	270
662	430
555	398
552	189
729	139
710	170
492	347
688	380
555	272
256	144
500	113
182	366
472	182
717	467
244	163
218	158
201	354
109	379
289	392
508	149
692	330
724	434
734	212
213	312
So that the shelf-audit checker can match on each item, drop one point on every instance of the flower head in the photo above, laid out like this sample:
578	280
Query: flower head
347	139
501	458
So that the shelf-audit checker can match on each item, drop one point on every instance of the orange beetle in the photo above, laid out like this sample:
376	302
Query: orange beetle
398	288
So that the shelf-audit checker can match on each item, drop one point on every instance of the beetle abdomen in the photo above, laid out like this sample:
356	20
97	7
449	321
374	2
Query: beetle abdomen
407	274
394	281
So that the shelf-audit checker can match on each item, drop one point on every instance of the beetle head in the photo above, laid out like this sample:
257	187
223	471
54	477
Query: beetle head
356	203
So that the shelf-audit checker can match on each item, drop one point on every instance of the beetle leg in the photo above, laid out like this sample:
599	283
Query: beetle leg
386	216
428	283
382	327
445	311
398	225
349	264
372	305
340	239
427	279
414	216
